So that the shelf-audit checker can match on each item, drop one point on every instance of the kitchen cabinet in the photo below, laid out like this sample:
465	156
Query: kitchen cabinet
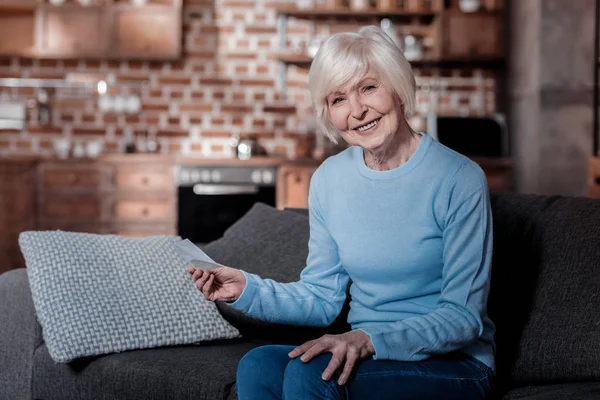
498	172
293	184
145	198
150	32
16	33
75	196
71	31
471	36
109	29
115	196
593	177
17	208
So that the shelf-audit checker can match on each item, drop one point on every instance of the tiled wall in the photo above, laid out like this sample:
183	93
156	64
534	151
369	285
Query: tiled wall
226	83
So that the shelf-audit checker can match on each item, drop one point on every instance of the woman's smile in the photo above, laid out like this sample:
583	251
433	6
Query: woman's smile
368	127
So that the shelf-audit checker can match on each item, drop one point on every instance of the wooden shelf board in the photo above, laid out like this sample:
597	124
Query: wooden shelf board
292	58
17	6
325	12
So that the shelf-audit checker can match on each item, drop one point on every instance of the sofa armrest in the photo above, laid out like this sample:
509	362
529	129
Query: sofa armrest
20	335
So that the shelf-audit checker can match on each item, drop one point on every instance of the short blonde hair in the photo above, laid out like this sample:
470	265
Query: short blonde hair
344	58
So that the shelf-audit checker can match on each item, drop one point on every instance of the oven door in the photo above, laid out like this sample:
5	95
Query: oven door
205	211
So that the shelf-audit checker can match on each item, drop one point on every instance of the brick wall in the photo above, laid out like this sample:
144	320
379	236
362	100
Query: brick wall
226	83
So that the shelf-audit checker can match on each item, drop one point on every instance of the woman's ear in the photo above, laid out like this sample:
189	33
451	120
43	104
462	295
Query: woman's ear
399	102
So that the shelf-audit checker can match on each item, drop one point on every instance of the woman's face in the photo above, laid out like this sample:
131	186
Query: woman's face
366	114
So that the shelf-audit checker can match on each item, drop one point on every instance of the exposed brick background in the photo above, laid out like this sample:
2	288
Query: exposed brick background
225	83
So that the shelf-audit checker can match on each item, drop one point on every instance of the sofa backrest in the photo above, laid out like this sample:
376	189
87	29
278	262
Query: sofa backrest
545	279
545	285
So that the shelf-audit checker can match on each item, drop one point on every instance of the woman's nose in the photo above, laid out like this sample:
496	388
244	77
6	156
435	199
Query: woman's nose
357	109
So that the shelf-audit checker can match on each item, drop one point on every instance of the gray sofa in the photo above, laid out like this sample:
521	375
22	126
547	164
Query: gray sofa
544	300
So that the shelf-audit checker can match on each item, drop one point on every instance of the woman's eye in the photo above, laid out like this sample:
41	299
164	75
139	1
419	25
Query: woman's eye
369	87
337	100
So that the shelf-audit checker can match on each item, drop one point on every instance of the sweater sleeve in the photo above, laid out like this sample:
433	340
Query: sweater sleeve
317	298
458	317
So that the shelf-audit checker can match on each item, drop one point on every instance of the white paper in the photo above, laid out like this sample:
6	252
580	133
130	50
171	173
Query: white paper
192	254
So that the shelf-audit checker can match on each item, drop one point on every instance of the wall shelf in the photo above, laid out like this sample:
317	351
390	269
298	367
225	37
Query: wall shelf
17	6
327	13
491	62
447	35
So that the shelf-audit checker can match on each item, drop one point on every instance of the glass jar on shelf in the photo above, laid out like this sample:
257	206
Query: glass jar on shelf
413	48
390	5
337	4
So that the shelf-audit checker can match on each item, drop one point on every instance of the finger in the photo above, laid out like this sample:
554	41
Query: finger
351	359
191	269
202	280
206	289
197	275
334	364
300	349
314	351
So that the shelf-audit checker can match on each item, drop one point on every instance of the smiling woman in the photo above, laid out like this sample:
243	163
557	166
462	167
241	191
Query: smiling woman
407	220
363	90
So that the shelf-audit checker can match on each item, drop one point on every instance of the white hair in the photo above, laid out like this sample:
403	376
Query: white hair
344	58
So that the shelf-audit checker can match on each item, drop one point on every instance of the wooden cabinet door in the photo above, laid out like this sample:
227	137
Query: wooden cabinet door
471	35
293	185
17	208
71	31
593	177
16	34
148	33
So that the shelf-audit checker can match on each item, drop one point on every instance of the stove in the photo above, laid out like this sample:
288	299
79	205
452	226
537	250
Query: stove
212	198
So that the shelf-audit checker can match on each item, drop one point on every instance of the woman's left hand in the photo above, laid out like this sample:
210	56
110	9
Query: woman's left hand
347	348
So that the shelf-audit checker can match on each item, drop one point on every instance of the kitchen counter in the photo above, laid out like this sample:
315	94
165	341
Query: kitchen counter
120	158
259	161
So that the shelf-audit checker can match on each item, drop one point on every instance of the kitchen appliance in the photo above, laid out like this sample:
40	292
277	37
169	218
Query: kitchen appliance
471	136
12	115
212	198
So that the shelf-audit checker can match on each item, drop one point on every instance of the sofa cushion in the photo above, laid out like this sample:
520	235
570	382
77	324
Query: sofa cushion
98	294
272	244
181	372
565	391
20	334
545	288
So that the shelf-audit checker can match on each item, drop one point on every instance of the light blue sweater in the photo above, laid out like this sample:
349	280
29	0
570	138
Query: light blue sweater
416	242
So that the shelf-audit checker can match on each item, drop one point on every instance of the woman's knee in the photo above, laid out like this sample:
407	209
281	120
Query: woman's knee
260	361
304	380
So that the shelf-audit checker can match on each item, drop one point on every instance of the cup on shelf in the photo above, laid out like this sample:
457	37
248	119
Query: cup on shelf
469	6
78	150
412	48
94	148
62	148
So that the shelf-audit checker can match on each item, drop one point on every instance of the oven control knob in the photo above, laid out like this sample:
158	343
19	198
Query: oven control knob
267	176
255	176
216	176
184	177
205	176
195	176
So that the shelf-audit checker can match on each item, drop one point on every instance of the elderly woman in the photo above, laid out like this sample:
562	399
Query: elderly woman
407	220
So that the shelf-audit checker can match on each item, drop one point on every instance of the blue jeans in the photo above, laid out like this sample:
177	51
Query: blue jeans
268	373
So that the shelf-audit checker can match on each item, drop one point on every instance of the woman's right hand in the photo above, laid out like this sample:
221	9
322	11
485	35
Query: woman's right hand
219	284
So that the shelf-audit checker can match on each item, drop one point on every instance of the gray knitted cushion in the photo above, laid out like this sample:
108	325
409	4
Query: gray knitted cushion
98	294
